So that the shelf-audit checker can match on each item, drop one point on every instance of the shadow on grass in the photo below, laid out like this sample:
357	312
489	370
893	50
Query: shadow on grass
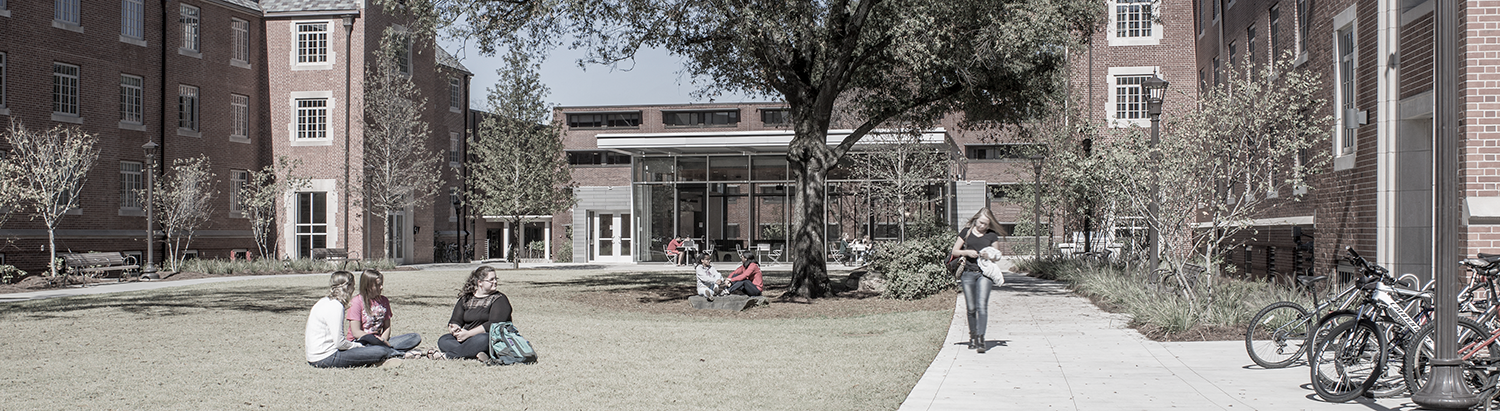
171	302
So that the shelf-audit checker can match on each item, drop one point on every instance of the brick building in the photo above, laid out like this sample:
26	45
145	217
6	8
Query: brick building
240	81
1376	60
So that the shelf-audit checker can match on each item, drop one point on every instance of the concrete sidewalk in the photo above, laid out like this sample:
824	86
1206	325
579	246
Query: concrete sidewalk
1052	350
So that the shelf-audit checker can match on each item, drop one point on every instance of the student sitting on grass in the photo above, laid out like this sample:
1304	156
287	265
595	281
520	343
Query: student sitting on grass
479	305
369	316
324	338
746	280
710	282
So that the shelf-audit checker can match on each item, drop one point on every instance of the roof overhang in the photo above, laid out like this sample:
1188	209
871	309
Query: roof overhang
698	142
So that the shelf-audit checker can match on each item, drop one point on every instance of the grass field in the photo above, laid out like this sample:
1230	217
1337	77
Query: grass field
607	340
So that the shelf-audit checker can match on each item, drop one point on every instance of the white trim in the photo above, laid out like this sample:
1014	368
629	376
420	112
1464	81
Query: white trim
1274	221
1345	19
1388	95
291	125
1155	21
1109	108
725	139
289	225
332	54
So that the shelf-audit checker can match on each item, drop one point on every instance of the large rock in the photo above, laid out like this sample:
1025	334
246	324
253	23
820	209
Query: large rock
870	282
728	302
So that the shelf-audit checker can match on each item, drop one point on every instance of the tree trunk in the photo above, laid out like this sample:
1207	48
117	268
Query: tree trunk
810	171
515	244
52	251
385	222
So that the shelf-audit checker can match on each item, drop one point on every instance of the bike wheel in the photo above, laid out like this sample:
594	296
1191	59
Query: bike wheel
1392	380
1346	363
1325	324
1419	354
1277	335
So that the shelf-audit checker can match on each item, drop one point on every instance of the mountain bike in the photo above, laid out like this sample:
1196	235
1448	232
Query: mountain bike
1351	359
1479	353
1277	335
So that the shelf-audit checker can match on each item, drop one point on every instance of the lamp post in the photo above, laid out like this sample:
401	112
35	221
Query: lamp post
148	271
1446	389
1036	208
458	227
1154	89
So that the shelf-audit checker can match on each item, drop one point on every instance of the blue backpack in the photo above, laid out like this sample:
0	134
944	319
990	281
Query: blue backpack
507	346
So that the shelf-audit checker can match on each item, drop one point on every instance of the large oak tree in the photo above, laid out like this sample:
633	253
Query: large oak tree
881	60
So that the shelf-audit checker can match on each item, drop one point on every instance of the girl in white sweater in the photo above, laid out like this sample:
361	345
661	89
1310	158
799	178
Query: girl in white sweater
325	342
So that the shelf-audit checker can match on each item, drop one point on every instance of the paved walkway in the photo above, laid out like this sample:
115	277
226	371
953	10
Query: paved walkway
1052	350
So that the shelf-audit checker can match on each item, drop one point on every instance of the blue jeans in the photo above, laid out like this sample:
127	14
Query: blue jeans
976	299
467	349
372	353
744	287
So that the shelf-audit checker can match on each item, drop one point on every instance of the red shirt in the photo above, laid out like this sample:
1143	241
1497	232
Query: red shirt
752	272
673	245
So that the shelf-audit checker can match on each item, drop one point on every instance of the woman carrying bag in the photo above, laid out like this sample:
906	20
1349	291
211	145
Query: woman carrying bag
980	240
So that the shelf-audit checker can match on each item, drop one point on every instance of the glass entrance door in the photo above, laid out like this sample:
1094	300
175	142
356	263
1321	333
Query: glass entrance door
610	235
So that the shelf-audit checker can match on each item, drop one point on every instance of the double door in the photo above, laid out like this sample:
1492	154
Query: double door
609	237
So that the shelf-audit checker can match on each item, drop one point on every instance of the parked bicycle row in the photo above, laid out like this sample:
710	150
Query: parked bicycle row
1375	336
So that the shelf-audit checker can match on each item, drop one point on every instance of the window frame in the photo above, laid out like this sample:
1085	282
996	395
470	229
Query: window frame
1346	86
1273	30
1112	106
703	118
239	30
315	41
785	113
192	28
133	20
131	180
455	153
605	121
132	112
455	95
239	106
1118	38
62	10
189	108
60	87
3	73
306	115
238	179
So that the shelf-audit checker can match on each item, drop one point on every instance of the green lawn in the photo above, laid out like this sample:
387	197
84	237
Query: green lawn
239	345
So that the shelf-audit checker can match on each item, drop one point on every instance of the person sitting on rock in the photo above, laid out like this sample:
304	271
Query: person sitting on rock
710	282
746	280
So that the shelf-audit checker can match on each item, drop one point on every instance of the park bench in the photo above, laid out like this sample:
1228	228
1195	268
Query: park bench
91	264
339	255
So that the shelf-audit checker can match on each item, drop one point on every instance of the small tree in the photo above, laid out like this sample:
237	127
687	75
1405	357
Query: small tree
184	202
901	168
400	170
48	170
519	168
258	200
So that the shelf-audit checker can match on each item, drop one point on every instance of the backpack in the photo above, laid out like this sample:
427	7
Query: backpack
507	346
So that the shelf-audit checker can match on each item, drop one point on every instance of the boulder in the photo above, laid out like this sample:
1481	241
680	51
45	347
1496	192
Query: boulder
871	282
728	302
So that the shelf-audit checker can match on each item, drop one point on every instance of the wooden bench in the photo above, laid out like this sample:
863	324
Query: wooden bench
340	255
89	264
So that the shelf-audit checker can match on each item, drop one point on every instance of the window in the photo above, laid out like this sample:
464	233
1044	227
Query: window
701	118
1002	151
312	43
132	19
1304	24
189	21
187	107
241	38
131	185
66	11
1346	49
403	54
604	120
455	94
2	79
1133	18
1218	78
1233	53
130	98
237	181
240	126
1250	43
312	118
776	116
65	89
597	158
312	222
453	149
1274	15
1130	99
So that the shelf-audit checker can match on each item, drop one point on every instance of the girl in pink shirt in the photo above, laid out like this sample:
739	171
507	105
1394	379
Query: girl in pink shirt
369	317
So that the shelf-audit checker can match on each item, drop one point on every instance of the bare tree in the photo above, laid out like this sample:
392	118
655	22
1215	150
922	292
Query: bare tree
900	168
519	168
258	200
49	169
399	170
184	201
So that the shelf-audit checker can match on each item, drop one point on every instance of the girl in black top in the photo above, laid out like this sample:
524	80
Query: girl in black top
981	232
479	305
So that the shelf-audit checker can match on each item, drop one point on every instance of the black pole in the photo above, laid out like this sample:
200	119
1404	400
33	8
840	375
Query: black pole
1036	210
1153	209
1446	389
148	271
348	59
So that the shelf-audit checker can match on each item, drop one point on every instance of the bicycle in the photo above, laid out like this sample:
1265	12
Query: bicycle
1351	359
1479	350
1277	334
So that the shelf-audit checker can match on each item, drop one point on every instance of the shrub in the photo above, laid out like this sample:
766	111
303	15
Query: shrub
9	274
273	266
914	269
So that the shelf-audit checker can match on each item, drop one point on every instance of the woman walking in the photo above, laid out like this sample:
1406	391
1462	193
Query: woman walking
980	233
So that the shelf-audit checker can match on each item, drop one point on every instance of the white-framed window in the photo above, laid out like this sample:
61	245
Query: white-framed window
65	89
455	94
131	92
403	53
1133	23
133	19
311	222
2	79
66	11
240	125
1273	24
312	42
1234	55
187	107
131	184
1127	101
1218	73
237	181
1346	52
454	153
1304	26
1250	43
312	118
240	30
190	30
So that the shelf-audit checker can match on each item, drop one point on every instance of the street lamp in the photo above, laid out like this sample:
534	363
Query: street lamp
1036	209
148	271
458	230
1155	90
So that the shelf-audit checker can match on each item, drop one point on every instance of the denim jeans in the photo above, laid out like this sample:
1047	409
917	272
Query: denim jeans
976	300
744	287
399	344
467	349
355	357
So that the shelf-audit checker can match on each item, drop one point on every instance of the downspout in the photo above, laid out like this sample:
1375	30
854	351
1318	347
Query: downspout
464	224
348	63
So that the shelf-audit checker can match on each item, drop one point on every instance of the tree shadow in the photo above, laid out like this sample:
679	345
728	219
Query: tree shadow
169	302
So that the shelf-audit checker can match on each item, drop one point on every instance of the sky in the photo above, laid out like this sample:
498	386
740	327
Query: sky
653	79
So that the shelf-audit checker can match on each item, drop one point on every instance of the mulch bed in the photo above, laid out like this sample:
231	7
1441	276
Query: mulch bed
672	299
